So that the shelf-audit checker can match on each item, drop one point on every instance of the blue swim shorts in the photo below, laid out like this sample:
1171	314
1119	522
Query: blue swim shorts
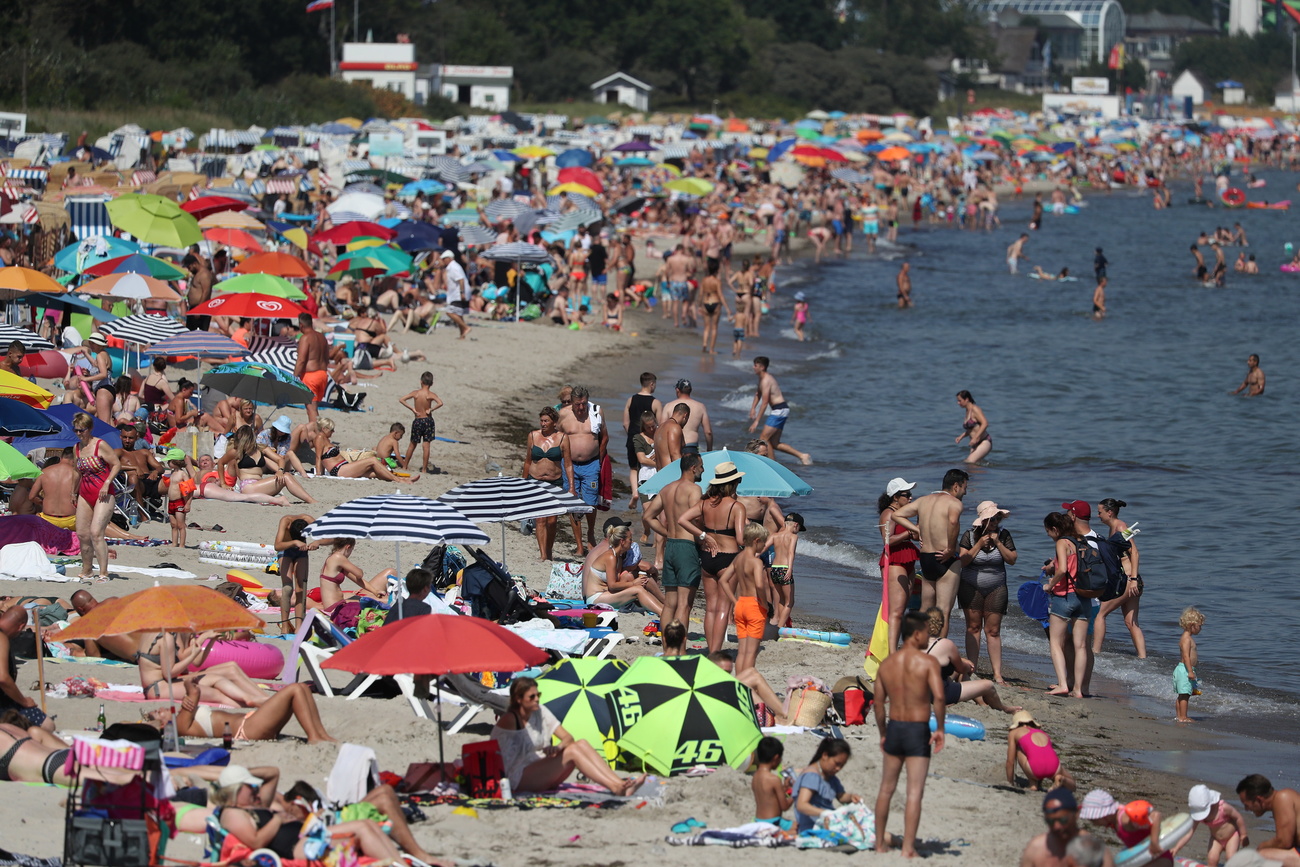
586	478
777	415
1183	685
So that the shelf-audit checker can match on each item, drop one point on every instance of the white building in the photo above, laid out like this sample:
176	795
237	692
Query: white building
384	66
622	89
476	86
1189	84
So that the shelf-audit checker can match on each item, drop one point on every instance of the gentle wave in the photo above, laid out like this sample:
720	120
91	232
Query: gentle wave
867	563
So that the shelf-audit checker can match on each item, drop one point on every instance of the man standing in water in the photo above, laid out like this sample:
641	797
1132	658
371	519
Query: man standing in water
1016	252
680	573
680	266
769	399
1253	384
938	520
905	286
911	683
696	422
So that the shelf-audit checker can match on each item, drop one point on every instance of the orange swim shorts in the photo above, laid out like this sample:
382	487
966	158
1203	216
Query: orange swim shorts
750	618
316	380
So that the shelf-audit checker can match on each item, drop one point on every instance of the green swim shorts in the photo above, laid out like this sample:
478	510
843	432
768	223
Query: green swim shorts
681	564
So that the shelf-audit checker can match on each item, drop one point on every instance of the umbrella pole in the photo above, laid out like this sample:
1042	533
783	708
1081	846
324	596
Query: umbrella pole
169	661
437	686
397	556
40	656
503	543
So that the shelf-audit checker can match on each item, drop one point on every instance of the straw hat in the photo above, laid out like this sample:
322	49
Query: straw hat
1022	718
988	510
725	472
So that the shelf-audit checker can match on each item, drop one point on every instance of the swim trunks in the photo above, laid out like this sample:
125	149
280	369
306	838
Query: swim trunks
777	414
681	564
423	430
679	290
1011	263
837	226
67	522
1183	685
781	575
691	448
932	568
317	381
737	334
907	739
750	618
174	506
586	479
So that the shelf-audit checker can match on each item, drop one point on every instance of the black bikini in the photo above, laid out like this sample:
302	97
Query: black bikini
9	757
715	564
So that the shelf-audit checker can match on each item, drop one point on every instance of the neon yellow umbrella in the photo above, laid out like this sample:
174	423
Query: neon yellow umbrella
266	284
154	220
572	188
365	241
670	169
690	186
533	152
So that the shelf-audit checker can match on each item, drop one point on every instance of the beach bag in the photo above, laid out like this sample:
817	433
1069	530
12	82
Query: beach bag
565	581
850	699
346	400
446	564
807	707
483	769
1091	576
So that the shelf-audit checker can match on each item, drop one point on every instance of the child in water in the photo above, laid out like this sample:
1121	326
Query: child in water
769	787
800	317
1185	672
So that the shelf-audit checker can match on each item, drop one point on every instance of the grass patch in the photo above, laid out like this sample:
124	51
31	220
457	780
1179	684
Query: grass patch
98	123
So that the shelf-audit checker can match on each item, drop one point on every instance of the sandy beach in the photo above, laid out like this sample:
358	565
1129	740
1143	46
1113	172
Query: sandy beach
493	385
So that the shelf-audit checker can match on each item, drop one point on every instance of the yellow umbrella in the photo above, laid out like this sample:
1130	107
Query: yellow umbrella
350	121
758	153
297	237
572	188
533	152
18	388
670	169
363	242
229	220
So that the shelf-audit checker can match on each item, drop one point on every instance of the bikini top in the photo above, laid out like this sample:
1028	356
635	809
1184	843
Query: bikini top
948	669
333	579
554	453
970	424
331	452
728	530
247	463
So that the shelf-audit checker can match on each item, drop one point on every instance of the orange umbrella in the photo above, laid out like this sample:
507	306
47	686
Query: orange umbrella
894	153
870	135
233	238
168	608
16	281
279	264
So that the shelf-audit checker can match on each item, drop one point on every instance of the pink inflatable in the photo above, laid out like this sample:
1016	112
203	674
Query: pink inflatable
259	661
46	364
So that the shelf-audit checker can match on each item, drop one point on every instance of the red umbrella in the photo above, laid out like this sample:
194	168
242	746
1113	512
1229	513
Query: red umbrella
580	175
832	156
279	264
344	232
205	206
233	238
251	304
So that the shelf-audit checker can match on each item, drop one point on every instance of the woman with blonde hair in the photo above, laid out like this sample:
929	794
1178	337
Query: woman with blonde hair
331	462
98	465
246	463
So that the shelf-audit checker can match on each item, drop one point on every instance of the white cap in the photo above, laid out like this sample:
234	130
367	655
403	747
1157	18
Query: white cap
1201	800
897	485
237	775
447	254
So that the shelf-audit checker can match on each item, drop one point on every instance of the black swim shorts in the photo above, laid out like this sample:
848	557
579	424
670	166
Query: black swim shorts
932	568
907	739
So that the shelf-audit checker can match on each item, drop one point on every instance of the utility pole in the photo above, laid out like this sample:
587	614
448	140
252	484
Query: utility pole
333	66
356	20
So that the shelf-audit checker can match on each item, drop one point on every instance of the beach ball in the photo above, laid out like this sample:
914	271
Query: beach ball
1289	246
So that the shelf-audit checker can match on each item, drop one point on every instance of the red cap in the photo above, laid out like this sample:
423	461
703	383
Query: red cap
1079	508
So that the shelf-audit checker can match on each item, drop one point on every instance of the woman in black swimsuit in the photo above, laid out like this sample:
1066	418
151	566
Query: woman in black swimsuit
722	519
225	683
546	459
953	664
256	470
33	755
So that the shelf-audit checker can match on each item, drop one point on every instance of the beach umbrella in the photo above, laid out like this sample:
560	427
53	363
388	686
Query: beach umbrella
635	146
449	169
424	185
584	176
130	285
277	263
14	465
533	152
154	220
250	304
260	383
137	263
230	220
677	713
61	415
78	256
572	188
507	498
362	242
365	187
265	284
763	477
200	344
890	154
206	206
574	157
393	260
142	328
368	205
574	219
344	232
382	176
505	209
460	216
282	352
517	251
690	186
478	236
574	690
30	340
12	385
359	267
412	237
628	204
16	281
22	419
231	237
633	163
848	176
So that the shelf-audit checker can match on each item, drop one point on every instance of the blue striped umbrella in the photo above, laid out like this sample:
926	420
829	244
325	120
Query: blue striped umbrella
203	344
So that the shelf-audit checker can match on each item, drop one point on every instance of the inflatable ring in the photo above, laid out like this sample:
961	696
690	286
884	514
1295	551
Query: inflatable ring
837	638
258	661
1233	197
251	585
961	727
1172	830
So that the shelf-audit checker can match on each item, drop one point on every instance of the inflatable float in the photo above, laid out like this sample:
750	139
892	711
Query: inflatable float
1290	267
242	554
1050	278
1284	205
258	661
46	364
1172	830
961	727
251	585
840	639
1232	197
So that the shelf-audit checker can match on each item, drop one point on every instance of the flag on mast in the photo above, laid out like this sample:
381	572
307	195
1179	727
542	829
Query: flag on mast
320	5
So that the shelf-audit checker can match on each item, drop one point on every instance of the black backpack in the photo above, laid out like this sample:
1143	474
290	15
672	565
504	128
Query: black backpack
1091	576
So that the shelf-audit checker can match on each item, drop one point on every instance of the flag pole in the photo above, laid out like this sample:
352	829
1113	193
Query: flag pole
333	68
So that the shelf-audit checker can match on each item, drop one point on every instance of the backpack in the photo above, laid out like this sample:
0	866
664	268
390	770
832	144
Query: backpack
445	563
1112	550
1091	576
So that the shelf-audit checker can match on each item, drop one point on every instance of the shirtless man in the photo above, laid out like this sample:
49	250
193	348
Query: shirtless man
680	573
198	291
698	420
56	490
1258	795
1201	271
678	270
669	436
768	398
1253	384
1061	812
726	236
13	359
905	286
12	622
141	467
313	363
587	448
1016	252
909	681
938	520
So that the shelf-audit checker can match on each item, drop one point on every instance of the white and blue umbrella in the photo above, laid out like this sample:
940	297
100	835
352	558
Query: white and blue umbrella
30	340
763	477
282	352
449	169
203	344
517	251
508	498
505	209
144	329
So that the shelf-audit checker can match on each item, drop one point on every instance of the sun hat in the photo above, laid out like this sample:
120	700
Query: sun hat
1022	718
174	454
725	472
96	337
799	296
1079	508
237	775
447	254
1201	800
897	485
1098	804
283	424
988	509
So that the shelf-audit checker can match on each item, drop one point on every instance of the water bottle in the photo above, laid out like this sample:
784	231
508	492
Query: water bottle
506	794
227	739
101	722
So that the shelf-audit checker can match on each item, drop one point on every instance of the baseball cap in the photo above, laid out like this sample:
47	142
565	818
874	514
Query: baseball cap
1078	508
683	384
447	254
1064	797
615	522
1098	804
1201	800
798	520
283	424
174	454
237	775
898	484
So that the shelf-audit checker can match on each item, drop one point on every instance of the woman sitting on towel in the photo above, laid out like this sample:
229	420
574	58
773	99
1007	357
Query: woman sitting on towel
606	580
265	723
225	683
533	764
331	462
954	665
253	470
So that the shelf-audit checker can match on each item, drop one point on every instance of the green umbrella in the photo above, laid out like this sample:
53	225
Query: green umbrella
394	260
154	220
266	284
14	466
575	692
691	186
382	176
677	713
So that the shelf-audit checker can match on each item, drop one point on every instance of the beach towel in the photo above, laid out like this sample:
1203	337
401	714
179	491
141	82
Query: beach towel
15	529
27	561
355	772
741	837
653	792
852	824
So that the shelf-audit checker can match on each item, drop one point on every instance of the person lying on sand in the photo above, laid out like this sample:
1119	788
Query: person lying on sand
265	723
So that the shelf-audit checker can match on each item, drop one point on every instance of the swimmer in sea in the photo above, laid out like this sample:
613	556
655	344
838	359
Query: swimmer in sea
1016	252
1253	384
905	286
1099	300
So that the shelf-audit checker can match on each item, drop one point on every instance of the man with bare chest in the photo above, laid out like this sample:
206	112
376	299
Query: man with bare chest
581	421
